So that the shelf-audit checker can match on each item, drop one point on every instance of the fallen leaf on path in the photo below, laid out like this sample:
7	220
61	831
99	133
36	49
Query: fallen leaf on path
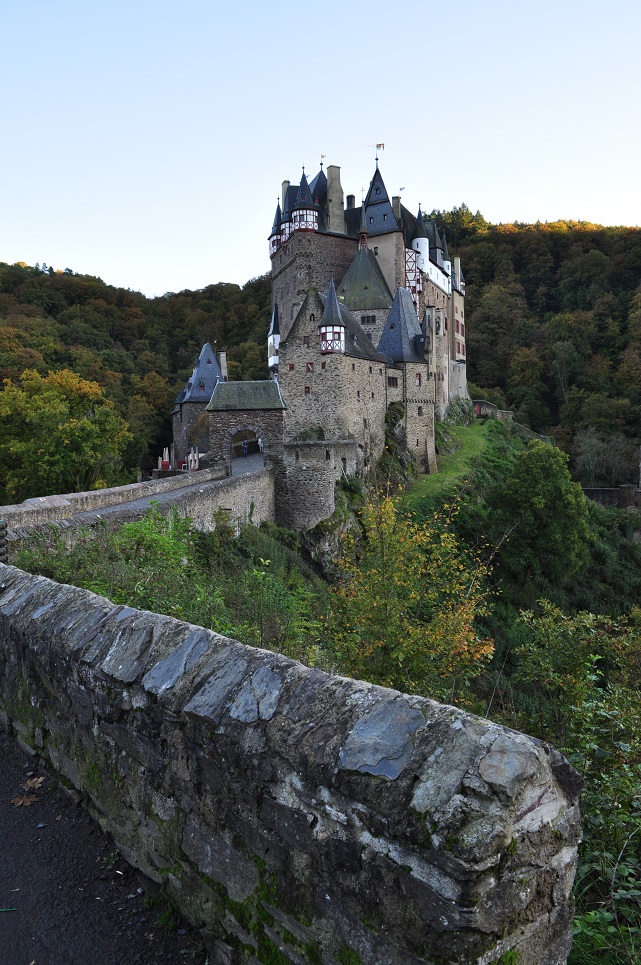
33	783
25	800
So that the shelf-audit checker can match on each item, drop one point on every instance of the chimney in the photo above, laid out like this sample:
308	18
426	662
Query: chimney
335	212
396	207
351	201
457	271
222	361
285	187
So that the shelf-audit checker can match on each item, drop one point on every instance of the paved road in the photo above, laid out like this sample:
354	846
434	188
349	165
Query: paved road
66	895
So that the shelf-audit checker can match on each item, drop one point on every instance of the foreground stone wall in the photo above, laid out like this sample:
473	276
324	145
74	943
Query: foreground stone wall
293	816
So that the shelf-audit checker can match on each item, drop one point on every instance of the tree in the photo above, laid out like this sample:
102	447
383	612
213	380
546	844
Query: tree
404	609
59	435
544	514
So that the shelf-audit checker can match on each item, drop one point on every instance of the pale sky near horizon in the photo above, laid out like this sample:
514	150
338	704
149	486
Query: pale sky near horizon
146	142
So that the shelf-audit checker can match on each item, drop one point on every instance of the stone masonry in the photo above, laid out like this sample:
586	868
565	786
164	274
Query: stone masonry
290	814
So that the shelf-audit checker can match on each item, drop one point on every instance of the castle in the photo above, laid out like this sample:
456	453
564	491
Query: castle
368	310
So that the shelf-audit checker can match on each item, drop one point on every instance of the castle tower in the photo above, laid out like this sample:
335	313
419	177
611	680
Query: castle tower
273	343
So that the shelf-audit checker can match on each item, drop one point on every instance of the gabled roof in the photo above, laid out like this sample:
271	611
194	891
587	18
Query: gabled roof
234	396
363	286
206	374
402	339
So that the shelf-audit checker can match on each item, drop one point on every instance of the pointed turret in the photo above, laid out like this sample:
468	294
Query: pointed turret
275	236
332	329
273	342
420	242
206	374
305	213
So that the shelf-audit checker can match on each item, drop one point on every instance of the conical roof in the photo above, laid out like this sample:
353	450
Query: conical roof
278	217
304	197
446	254
332	312
419	231
318	188
274	325
363	286
402	334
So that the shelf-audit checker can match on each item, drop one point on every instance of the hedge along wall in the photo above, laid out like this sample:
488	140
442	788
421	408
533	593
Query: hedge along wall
293	816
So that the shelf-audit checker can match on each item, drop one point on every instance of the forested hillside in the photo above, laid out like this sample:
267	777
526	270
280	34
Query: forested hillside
553	320
139	350
554	333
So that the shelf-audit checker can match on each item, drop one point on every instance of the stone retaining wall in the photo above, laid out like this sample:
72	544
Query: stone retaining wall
293	816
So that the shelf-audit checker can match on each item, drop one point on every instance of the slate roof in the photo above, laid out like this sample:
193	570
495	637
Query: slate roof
274	327
278	217
304	197
318	188
402	339
203	380
446	254
357	342
332	311
363	285
419	230
378	209
234	396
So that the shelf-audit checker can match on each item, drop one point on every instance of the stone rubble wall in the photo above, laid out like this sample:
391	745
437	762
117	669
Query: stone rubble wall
290	814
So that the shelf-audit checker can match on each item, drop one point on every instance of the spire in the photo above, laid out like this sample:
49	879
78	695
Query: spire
304	197
278	217
332	312
274	325
362	229
419	231
446	254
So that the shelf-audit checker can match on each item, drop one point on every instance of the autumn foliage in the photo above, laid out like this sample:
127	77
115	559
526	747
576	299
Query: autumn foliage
404	609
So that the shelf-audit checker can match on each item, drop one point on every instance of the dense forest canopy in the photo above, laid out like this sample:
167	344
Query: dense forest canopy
554	333
553	317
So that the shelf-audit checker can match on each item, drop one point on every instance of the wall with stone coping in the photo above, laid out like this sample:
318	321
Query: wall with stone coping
246	498
292	815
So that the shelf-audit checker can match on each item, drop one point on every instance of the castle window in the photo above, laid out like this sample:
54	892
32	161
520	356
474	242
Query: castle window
291	366
312	318
378	190
364	423
384	217
322	365
370	370
353	366
420	410
368	320
392	381
308	390
327	455
306	341
332	339
358	393
462	329
376	251
309	366
372	395
418	379
371	221
380	371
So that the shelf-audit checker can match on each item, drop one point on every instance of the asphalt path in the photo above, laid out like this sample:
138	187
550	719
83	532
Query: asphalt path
66	895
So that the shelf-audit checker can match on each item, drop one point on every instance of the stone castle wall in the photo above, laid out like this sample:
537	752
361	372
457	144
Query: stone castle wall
307	260
292	815
184	431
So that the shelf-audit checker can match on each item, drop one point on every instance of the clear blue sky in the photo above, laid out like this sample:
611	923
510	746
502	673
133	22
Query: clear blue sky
146	142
